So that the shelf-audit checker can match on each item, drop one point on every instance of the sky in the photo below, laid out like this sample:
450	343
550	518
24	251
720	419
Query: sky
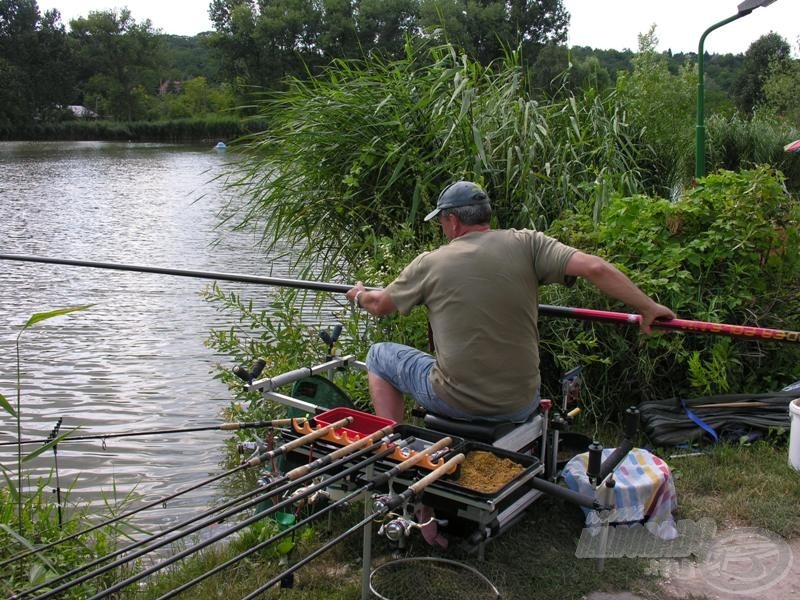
602	24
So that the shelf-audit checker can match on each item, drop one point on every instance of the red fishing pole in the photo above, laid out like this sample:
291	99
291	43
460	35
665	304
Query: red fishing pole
743	331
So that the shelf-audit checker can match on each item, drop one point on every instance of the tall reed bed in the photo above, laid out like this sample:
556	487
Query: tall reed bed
362	152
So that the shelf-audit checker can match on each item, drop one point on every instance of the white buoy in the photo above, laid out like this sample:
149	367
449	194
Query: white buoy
220	146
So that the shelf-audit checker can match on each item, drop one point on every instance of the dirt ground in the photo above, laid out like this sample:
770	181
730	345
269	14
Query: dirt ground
682	581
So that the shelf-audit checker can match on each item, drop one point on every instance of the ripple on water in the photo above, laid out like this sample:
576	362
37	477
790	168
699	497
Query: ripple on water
135	360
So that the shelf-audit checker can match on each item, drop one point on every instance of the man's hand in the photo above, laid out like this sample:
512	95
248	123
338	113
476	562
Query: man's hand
656	312
351	293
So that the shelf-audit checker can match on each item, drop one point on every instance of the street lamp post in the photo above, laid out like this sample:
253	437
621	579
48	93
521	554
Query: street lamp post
744	9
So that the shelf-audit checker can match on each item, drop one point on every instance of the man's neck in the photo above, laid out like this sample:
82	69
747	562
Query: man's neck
462	229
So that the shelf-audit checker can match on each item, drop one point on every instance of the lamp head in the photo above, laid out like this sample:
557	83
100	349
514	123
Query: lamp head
749	6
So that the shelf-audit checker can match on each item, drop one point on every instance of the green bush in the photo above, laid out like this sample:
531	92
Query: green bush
726	251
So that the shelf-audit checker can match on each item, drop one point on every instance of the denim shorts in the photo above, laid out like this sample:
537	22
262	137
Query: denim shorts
408	370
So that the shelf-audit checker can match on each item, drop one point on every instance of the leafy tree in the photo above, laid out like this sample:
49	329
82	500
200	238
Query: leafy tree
186	57
557	70
265	41
764	52
221	13
781	90
116	55
197	99
234	25
486	28
611	61
35	63
338	37
385	24
662	106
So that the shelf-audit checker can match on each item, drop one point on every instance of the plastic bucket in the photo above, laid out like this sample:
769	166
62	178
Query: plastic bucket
794	435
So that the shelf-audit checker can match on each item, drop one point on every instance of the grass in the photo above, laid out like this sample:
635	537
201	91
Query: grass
740	486
533	559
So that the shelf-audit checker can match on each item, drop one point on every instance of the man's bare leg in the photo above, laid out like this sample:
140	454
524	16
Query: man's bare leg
387	400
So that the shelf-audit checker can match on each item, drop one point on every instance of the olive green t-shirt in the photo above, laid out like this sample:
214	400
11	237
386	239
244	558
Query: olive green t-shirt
482	294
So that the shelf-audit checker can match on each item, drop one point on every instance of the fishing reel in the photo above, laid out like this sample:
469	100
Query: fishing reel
267	478
304	498
401	527
397	529
251	448
383	503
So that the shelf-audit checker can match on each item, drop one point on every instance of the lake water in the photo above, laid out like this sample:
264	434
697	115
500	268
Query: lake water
136	360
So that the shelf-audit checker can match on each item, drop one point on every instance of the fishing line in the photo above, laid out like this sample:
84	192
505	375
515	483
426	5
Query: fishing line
105	436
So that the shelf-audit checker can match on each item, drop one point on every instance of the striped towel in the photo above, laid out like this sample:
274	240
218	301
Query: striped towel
644	490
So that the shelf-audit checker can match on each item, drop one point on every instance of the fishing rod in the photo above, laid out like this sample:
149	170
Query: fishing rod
378	481
382	506
204	519
197	526
235	277
321	465
683	325
105	436
260	459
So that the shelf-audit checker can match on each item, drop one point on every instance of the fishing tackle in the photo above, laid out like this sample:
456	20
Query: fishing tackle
299	475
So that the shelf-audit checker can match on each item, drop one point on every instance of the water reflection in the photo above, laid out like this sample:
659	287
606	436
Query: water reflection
135	360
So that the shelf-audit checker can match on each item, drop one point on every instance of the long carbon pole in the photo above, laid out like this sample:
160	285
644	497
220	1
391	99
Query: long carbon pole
239	278
687	326
684	325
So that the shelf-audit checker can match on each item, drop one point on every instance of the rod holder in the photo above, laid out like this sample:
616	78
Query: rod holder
595	460
631	422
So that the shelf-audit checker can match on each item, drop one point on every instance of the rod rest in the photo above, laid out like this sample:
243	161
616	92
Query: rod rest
555	490
474	429
630	427
614	459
